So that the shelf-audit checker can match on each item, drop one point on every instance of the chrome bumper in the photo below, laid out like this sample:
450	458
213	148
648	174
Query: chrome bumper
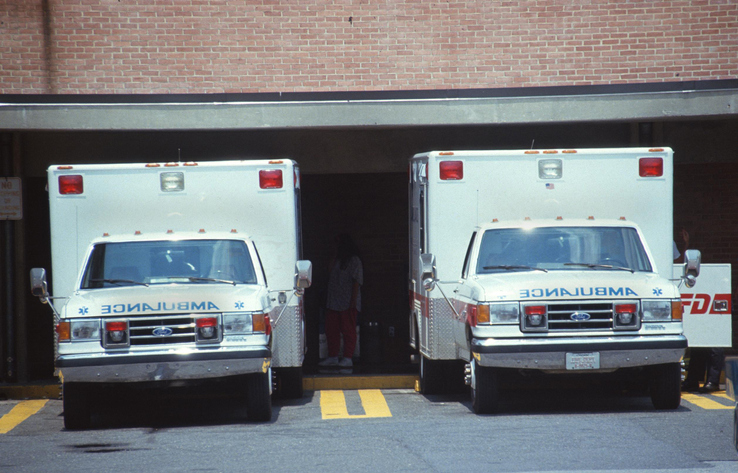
550	354
169	366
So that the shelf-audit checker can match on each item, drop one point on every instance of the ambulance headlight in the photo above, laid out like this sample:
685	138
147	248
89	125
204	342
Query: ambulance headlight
657	311
207	329
535	318
85	330
503	313
626	316
237	323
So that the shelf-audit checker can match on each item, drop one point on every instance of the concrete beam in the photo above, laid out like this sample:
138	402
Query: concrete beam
233	115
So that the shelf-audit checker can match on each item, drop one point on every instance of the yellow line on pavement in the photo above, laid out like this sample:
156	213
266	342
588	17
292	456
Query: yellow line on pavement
703	402
333	405
22	411
723	395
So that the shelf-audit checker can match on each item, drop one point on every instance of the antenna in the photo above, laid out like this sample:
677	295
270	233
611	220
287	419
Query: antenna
532	143
179	155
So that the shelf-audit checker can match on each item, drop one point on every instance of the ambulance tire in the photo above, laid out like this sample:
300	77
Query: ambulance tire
484	389
77	400
289	383
431	376
666	386
258	397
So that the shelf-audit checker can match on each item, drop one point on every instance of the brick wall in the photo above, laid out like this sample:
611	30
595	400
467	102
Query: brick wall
202	46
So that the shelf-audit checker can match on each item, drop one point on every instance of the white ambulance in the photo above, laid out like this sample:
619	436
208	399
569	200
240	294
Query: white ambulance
558	261
172	273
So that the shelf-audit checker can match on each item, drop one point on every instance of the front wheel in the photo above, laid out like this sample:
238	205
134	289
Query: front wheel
77	400
484	389
259	397
666	389
289	383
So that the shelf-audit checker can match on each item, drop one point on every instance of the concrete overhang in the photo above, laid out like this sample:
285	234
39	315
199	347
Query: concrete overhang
644	102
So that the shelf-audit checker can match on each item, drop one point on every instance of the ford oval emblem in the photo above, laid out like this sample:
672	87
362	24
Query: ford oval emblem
163	331
580	316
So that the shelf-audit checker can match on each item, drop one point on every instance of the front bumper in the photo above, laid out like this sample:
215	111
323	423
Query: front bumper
550	354
166	366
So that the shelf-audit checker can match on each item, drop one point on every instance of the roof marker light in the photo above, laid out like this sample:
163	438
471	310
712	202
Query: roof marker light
569	151
270	179
171	165
233	230
202	230
137	232
190	163
591	217
71	184
446	153
153	165
532	152
651	167
63	168
451	170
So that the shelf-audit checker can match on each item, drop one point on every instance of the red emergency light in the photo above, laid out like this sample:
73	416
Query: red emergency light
70	184
451	170
270	179
651	167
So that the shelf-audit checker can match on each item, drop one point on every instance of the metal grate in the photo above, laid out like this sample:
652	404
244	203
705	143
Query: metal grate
600	316
162	330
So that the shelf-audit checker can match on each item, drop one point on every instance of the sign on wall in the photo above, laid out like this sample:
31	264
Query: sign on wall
11	203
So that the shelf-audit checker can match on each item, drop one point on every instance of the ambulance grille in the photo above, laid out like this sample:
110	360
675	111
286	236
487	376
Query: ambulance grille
598	316
162	330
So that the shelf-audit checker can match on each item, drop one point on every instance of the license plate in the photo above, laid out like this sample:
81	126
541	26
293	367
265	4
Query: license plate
583	361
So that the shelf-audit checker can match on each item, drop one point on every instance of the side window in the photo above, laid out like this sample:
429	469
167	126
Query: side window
467	258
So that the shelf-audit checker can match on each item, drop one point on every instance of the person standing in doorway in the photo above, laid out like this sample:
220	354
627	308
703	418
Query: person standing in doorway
343	302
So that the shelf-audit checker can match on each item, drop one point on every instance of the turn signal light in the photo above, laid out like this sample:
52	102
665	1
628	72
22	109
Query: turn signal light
64	331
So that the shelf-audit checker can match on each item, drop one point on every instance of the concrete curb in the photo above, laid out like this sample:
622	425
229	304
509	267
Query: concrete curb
30	391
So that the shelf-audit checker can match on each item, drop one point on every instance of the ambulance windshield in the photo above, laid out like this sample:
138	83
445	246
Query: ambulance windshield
167	262
562	248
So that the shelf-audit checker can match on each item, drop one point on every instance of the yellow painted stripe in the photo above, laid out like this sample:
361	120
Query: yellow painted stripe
703	402
723	395
333	405
22	411
375	405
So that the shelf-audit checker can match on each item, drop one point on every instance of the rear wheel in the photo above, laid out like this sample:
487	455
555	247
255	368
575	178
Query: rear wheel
431	376
258	397
484	389
77	401
666	389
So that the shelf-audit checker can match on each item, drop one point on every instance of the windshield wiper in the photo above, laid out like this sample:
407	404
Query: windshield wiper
224	281
603	266
119	282
513	266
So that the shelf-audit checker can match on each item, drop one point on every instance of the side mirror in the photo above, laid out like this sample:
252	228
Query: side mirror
692	261
303	275
39	287
428	271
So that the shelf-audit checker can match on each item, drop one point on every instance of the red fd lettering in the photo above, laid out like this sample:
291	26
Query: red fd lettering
697	304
